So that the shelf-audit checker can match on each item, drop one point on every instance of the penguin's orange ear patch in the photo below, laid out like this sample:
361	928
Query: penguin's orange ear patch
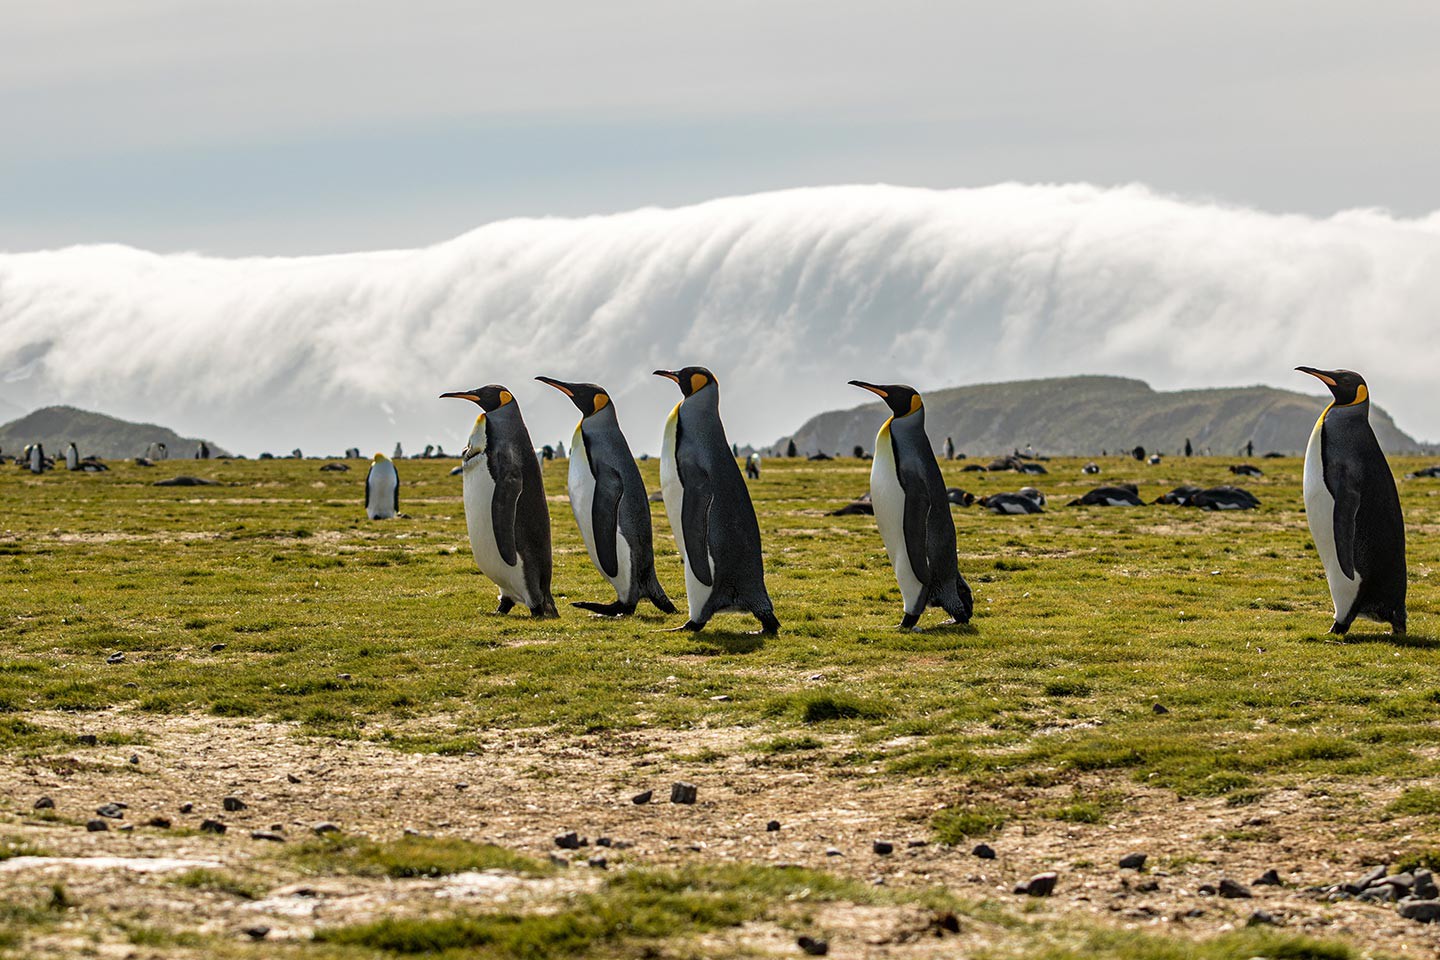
1362	393
915	403
697	380
505	397
601	401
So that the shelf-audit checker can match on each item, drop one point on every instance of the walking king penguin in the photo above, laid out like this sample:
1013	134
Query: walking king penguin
1354	508
913	511
505	508
382	489
709	508
610	503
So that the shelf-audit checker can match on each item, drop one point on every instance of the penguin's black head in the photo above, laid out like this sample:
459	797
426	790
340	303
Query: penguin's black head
1347	386
589	397
491	397
691	379
901	400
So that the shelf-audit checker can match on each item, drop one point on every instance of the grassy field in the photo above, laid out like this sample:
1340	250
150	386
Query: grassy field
270	601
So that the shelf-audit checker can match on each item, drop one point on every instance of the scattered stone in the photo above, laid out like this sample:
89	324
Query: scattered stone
45	803
325	827
212	826
833	852
1373	877
126	828
722	698
186	481
1206	890
558	860
1380	891
266	835
1133	861
599	863
883	848
1270	878
135	759
1040	885
95	826
160	822
1232	890
984	851
118	657
216	647
1159	708
186	807
345	676
233	804
1425	887
682	792
568	841
1147	886
815	948
772	826
258	932
88	739
1422	911
131	685
642	798
1261	918
1402	881
602	841
292	778
462	785
114	811
943	923
916	844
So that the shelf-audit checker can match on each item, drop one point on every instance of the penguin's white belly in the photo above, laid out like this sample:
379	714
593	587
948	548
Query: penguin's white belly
382	481
582	504
479	489
1112	502
888	499
673	492
1320	512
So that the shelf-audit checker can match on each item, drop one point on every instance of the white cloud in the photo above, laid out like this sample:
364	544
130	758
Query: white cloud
784	295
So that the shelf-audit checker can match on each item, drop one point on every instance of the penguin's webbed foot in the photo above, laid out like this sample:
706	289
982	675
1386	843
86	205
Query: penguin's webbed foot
506	605
910	621
769	625
689	625
1338	630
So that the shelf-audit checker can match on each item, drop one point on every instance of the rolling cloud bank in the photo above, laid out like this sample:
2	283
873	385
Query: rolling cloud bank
784	295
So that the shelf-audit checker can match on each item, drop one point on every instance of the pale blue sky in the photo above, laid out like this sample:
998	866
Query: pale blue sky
280	127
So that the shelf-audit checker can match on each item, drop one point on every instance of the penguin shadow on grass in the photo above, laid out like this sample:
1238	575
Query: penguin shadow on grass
714	643
1411	641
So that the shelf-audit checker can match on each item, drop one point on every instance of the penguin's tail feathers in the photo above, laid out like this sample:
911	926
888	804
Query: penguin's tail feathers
652	591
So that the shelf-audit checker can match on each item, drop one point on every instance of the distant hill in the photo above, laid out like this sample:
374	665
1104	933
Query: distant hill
1085	415
94	433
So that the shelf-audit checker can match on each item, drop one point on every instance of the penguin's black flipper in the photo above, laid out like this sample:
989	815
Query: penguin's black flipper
1347	510
367	491
695	519
605	519
397	493
502	513
917	522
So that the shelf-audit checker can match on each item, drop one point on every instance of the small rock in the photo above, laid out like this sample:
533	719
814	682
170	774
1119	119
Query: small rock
160	822
1147	886
112	810
943	923
1234	891
212	826
833	852
45	803
1133	861
1373	877
1270	878
95	826
1040	885
259	932
135	759
131	685
186	807
984	851
325	827
682	792
815	948
292	778
126	828
722	698
602	841
883	848
118	657
216	647
916	844
568	841
266	835
344	676
1423	911
1206	890
1261	918
1380	891
88	739
1159	708
462	785
1425	887
1404	881
772	826
642	797
233	804
599	863
558	860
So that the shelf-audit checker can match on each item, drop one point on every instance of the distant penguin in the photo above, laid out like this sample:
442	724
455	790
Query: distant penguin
912	509
1154	460
1246	470
949	448
1013	503
1090	468
505	509
37	458
202	451
1354	508
610	504
399	452
709	508
752	466
1223	498
352	453
72	457
1115	496
382	489
1179	497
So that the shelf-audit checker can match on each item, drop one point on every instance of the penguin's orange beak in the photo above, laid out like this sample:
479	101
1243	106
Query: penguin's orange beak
461	395
1323	376
668	375
560	385
869	386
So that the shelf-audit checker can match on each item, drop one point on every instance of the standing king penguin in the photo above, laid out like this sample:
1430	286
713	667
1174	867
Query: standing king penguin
1353	508
610	504
709	508
382	489
505	509
913	511
72	457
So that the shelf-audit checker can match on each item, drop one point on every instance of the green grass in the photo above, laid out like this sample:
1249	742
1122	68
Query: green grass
409	856
218	881
953	825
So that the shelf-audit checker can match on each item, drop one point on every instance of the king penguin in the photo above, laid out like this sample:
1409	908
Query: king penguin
72	457
709	508
610	504
1353	508
913	510
382	489
505	508
37	458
